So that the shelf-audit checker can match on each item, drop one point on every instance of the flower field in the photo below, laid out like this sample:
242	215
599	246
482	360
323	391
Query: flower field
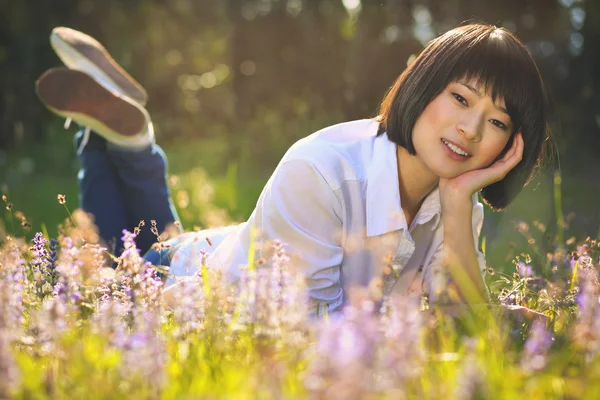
73	327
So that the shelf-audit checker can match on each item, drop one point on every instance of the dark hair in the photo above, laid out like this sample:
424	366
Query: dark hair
501	64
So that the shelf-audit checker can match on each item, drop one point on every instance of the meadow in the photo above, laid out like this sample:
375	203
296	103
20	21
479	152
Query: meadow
228	97
72	327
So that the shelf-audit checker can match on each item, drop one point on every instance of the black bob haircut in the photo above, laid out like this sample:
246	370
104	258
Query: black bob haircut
503	67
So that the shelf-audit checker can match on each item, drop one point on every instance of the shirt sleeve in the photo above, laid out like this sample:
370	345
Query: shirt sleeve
434	277
300	208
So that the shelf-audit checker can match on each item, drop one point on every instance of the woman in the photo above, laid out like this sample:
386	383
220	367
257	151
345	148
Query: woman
392	198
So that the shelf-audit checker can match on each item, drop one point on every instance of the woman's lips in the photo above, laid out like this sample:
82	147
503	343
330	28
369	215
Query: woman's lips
451	154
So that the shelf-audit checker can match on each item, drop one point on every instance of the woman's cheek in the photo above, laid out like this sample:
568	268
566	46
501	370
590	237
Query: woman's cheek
494	151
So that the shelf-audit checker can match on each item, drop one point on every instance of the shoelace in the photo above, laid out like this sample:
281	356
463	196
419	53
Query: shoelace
86	136
84	140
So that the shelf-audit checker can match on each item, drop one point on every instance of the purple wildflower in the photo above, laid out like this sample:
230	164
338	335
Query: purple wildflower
572	262
12	276
9	371
586	332
345	354
52	259
43	262
50	322
107	321
144	350
524	270
130	259
150	288
189	308
271	297
471	381
38	249
43	275
404	355
69	270
536	349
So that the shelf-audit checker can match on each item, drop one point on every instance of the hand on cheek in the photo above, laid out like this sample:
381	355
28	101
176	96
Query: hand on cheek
465	185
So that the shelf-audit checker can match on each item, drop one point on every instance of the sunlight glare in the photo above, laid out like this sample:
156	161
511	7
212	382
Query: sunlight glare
351	5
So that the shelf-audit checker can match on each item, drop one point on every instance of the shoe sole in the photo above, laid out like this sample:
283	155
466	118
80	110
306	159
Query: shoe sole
84	53
68	93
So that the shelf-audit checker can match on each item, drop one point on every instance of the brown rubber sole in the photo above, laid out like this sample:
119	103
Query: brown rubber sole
74	94
88	47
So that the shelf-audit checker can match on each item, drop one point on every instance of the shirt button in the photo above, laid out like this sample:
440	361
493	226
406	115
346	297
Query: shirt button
421	268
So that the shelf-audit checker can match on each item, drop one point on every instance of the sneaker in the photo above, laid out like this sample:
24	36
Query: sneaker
84	53
76	95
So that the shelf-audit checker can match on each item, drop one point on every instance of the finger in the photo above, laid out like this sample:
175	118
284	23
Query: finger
514	147
516	156
519	147
515	151
521	144
510	160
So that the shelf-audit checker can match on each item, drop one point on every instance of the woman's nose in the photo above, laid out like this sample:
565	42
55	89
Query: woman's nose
470	125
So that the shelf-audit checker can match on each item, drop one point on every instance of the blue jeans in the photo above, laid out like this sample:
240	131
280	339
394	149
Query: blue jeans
120	187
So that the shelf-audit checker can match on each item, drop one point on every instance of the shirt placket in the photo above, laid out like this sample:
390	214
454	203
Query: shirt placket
406	248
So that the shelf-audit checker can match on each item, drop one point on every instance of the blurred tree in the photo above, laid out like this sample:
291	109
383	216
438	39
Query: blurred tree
22	53
298	58
378	53
586	77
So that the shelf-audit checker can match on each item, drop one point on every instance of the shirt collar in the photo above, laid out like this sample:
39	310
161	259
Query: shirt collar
384	211
431	207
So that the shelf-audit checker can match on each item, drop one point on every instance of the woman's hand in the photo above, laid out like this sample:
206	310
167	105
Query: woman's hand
465	185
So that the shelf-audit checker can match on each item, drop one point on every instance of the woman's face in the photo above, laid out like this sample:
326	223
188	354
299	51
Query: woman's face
461	130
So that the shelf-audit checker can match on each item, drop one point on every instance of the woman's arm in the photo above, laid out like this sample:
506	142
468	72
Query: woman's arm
456	230
299	207
460	259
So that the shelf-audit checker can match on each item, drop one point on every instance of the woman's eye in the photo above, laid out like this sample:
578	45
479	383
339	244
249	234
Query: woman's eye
499	124
460	98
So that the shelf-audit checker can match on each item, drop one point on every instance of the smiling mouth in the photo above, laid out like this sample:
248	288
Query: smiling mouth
455	149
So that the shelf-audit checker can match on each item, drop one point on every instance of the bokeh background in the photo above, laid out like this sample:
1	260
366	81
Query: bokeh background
233	83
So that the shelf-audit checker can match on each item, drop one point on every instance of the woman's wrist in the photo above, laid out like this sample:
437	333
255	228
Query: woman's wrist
456	209
460	258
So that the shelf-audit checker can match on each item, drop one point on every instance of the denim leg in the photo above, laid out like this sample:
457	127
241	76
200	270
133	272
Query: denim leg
100	192
143	177
163	256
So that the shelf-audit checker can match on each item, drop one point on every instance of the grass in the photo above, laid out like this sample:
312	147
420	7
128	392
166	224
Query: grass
71	328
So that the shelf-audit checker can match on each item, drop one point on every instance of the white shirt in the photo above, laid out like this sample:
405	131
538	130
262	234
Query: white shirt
334	202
